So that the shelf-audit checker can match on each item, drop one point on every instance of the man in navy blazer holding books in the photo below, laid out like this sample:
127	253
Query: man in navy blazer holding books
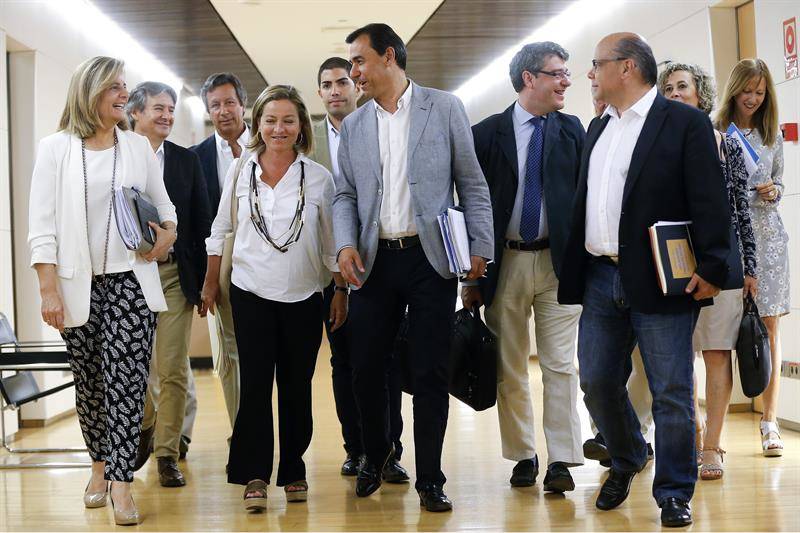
645	159
530	155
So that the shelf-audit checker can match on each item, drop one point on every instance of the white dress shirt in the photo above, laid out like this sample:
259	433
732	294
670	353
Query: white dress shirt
258	267
225	155
333	146
523	129
608	171
397	216
160	157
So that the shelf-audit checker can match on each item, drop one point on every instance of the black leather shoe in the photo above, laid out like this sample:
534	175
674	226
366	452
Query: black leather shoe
596	450
614	490
169	475
394	472
183	447
558	478
351	464
369	476
650	452
433	498
146	440
525	472
675	513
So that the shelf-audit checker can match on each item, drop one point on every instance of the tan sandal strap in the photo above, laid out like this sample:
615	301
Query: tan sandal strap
257	486
297	486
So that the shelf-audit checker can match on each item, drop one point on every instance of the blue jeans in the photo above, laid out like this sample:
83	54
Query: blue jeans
608	332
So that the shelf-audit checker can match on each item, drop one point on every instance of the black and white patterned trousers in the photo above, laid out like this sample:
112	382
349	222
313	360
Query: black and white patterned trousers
110	360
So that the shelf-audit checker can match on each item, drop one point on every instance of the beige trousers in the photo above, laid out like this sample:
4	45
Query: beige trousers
639	394
528	284
170	370
226	356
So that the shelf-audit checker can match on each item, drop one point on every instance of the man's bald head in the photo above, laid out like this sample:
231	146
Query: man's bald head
632	46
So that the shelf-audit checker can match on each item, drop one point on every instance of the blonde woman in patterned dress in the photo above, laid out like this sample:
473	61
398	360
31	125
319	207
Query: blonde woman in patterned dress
750	102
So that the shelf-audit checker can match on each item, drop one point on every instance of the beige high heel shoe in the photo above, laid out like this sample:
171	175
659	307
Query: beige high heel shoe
126	518
94	500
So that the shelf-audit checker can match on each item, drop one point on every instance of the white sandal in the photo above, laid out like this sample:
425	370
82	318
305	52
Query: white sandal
771	443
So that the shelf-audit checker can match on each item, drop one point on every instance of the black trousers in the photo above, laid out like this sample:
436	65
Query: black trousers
342	375
401	278
276	340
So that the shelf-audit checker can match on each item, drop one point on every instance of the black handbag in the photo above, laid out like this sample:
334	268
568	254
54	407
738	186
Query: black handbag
473	360
753	352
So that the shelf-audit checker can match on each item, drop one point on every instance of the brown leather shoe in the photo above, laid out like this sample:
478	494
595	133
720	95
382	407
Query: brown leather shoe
169	475
146	441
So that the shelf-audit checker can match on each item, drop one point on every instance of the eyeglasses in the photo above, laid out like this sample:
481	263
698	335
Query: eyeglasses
560	74
597	63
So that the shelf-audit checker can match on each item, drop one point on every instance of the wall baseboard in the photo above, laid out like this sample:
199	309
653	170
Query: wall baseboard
40	422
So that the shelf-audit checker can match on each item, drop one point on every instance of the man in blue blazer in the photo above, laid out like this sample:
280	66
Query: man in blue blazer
225	99
400	156
530	156
646	159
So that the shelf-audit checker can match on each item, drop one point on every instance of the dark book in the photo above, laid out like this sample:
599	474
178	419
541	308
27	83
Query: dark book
673	254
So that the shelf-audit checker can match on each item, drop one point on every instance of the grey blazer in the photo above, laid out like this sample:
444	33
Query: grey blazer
441	154
320	152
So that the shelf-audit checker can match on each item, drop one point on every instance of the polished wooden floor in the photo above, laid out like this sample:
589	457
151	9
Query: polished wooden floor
757	494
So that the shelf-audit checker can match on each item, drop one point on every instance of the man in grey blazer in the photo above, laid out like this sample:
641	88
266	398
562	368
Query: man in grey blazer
399	157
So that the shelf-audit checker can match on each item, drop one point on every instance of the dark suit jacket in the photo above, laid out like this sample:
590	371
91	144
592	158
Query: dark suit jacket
674	175
186	187
207	152
496	148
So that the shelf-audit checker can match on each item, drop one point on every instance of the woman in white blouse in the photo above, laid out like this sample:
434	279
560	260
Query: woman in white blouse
102	297
277	204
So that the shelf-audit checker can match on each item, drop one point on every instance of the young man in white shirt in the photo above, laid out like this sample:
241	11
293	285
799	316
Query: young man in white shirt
340	95
151	112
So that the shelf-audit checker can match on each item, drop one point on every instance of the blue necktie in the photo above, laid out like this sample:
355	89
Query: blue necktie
532	198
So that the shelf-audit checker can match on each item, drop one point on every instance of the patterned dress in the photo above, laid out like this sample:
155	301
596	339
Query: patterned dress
772	241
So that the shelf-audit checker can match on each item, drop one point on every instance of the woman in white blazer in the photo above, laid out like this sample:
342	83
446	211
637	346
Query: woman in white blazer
102	297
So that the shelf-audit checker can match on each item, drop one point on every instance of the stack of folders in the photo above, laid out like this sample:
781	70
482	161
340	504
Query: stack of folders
673	254
456	240
132	213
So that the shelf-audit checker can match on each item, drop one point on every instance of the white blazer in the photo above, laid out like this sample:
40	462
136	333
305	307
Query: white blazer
57	217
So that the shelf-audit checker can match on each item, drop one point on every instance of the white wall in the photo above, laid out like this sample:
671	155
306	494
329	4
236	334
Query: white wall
770	15
46	50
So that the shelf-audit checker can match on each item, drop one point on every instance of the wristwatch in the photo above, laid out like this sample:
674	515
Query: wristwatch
344	289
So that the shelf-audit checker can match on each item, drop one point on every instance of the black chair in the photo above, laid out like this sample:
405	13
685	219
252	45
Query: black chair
16	390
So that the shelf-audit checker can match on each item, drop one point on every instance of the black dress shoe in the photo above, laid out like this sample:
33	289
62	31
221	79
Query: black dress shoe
614	490
351	464
675	513
558	478
183	447
394	472
433	498
169	475
369	476
596	450
525	472
146	439
650	452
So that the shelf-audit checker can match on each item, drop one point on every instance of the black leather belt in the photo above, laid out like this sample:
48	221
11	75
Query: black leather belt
606	260
528	246
399	244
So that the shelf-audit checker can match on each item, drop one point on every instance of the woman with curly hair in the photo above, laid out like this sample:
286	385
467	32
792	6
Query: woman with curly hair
718	325
750	102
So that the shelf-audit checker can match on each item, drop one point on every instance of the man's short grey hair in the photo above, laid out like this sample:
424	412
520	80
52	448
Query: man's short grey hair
637	49
218	80
532	58
137	100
